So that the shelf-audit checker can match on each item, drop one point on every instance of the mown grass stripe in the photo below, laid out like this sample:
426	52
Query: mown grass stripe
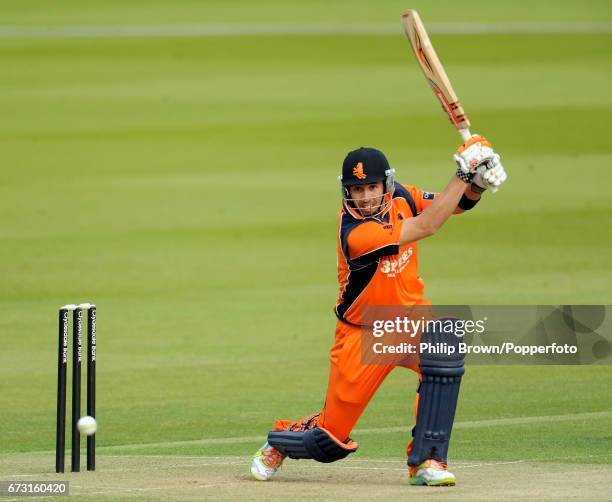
237	30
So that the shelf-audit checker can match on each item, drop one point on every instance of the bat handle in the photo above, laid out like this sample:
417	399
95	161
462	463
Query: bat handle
465	134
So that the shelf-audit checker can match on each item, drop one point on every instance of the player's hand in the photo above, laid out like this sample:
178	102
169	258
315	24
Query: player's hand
474	152
489	175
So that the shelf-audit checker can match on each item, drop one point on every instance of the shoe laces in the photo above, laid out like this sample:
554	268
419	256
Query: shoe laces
436	463
305	424
430	462
272	457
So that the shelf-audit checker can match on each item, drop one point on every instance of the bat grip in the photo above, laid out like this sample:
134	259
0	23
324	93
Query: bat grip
465	134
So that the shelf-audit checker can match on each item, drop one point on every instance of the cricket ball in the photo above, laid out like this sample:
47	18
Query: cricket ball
87	425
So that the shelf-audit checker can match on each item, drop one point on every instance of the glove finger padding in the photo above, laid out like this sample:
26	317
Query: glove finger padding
490	175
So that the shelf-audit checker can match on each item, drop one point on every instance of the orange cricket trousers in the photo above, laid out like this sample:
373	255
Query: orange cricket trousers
351	385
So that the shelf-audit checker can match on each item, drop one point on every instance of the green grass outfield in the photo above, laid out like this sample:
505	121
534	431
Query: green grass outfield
187	185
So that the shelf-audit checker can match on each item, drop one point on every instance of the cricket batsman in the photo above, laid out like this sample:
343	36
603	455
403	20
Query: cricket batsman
380	224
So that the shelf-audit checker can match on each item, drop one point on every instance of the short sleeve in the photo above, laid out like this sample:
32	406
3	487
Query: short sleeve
421	198
371	240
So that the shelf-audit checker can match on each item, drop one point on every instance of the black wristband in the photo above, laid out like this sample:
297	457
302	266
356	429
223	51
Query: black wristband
477	188
466	203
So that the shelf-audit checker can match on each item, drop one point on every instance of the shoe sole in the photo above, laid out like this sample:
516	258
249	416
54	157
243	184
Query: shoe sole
422	482
257	476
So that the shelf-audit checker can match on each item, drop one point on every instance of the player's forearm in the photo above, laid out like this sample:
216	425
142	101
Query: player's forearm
443	206
432	218
469	194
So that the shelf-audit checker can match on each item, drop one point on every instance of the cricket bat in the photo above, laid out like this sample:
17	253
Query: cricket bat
434	72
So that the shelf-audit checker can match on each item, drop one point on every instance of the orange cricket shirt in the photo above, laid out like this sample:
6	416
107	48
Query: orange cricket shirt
373	269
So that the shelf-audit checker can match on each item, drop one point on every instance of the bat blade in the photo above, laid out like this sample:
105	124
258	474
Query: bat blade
434	72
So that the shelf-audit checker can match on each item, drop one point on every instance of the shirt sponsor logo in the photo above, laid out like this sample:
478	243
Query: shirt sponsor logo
428	195
393	266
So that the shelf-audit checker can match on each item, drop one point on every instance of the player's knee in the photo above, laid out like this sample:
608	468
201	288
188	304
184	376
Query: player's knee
325	447
440	354
316	443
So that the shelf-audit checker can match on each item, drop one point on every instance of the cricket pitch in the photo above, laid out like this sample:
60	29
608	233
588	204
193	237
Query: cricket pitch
166	477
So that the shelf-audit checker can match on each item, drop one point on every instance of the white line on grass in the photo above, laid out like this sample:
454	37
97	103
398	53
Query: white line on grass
471	424
474	424
237	30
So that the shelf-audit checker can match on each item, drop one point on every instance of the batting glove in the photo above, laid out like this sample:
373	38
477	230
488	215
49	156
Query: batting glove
489	175
474	152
